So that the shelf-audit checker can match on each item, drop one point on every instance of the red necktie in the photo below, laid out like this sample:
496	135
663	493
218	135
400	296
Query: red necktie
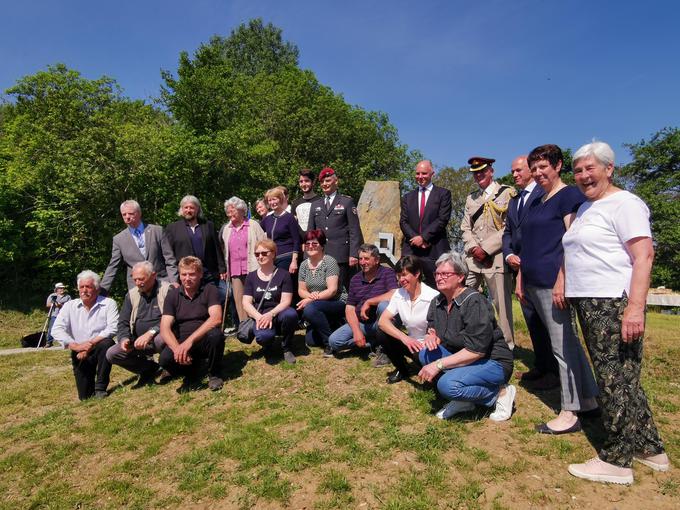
422	209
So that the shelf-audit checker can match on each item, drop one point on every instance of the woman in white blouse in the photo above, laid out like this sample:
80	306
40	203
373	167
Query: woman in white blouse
409	305
608	255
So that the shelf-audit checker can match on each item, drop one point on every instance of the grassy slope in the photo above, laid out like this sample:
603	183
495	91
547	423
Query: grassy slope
322	434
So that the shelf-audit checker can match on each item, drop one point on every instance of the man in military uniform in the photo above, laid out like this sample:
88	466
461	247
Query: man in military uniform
336	215
483	225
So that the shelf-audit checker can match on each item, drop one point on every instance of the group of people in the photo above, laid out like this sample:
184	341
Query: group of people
586	247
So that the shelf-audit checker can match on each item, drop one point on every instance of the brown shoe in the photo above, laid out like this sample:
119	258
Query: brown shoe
549	381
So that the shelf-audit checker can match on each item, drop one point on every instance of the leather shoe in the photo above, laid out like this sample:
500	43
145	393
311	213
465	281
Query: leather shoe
544	429
547	381
395	377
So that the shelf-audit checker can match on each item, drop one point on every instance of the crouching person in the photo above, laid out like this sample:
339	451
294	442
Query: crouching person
139	325
465	351
87	326
190	328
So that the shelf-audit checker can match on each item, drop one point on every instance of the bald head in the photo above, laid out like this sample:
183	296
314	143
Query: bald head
520	172
424	173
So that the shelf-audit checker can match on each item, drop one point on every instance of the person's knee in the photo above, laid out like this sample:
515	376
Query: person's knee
265	337
288	318
339	338
450	387
114	354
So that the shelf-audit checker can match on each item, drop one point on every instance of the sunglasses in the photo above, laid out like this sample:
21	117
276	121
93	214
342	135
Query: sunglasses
312	244
262	253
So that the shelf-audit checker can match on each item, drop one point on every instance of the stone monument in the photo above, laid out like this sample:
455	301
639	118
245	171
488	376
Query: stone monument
379	208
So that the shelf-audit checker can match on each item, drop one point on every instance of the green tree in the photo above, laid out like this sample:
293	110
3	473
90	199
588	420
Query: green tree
461	184
654	175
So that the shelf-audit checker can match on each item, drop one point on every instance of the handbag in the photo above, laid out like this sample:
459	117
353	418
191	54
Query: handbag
246	328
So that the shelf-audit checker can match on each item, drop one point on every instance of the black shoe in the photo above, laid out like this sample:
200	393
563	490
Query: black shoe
215	383
544	429
100	394
147	378
395	377
189	384
328	352
165	377
289	357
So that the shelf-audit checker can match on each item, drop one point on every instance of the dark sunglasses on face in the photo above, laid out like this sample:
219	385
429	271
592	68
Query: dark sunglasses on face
261	253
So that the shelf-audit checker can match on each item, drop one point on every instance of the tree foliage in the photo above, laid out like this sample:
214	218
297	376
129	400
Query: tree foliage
654	175
461	184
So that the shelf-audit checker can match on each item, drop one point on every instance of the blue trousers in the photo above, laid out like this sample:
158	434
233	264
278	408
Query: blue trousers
478	382
284	324
320	315
343	338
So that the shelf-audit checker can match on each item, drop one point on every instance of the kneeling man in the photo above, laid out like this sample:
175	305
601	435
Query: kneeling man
139	325
369	293
87	326
190	327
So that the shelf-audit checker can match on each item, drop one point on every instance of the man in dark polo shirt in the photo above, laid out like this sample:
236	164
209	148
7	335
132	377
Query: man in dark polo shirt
190	327
369	292
139	325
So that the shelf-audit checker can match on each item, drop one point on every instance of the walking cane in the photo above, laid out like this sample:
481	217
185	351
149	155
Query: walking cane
44	329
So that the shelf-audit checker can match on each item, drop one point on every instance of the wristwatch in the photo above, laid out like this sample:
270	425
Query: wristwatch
439	365
154	331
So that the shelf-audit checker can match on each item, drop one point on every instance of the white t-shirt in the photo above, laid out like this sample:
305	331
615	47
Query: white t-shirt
596	261
413	315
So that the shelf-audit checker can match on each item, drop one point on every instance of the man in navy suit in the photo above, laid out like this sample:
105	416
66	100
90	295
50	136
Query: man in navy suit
425	213
544	373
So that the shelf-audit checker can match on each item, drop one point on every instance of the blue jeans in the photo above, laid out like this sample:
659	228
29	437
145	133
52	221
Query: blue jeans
343	338
284	323
478	382
320	315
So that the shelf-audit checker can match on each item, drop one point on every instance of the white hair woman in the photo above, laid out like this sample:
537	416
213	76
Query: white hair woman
239	237
608	256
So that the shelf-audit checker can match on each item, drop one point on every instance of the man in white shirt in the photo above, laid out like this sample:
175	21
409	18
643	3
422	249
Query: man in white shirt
87	326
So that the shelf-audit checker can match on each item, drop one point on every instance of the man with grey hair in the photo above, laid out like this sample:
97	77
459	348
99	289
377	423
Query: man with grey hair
136	243
87	326
139	325
196	237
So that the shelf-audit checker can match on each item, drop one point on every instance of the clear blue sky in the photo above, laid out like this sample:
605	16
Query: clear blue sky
457	78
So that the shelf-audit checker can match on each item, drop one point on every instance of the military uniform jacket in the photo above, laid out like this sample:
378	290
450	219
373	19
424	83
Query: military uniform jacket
487	229
340	224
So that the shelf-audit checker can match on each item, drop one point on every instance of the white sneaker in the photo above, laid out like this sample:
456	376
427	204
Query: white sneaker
597	470
503	410
454	407
658	462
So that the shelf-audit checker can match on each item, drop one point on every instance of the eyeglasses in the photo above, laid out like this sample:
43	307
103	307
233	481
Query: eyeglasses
262	253
312	244
444	275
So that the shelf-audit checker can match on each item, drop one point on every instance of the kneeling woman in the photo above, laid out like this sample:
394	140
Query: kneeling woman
409	305
267	297
465	347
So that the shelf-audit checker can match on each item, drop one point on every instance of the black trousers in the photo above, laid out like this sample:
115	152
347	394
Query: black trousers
92	373
210	347
395	350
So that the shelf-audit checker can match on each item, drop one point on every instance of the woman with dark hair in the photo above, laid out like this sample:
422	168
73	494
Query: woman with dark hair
540	283
322	298
267	296
608	256
409	305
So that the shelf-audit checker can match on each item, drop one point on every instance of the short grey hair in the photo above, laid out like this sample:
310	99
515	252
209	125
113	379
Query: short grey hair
145	265
88	275
455	260
601	151
237	203
371	249
131	203
190	198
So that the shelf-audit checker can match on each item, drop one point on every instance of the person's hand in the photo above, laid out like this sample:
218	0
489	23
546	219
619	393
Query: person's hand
353	261
85	346
413	345
558	298
431	340
514	261
224	276
428	372
81	355
315	295
417	241
293	267
181	353
363	312
478	254
265	321
126	344
143	340
632	324
360	339
302	303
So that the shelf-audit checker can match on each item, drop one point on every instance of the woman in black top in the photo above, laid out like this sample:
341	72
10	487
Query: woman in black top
465	348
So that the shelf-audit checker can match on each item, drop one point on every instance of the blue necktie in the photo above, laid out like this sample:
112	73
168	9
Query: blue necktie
520	206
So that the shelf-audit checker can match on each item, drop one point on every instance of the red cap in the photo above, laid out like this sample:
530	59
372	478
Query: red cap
326	172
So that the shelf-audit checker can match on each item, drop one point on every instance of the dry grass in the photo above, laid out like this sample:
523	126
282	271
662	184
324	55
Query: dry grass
322	434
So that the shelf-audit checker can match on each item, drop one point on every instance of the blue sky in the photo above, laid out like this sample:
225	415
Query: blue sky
457	78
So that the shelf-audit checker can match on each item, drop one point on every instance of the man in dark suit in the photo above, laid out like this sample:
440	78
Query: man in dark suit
544	373
425	213
337	216
194	236
137	243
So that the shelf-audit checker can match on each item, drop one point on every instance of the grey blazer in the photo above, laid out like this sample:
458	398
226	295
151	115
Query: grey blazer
125	251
